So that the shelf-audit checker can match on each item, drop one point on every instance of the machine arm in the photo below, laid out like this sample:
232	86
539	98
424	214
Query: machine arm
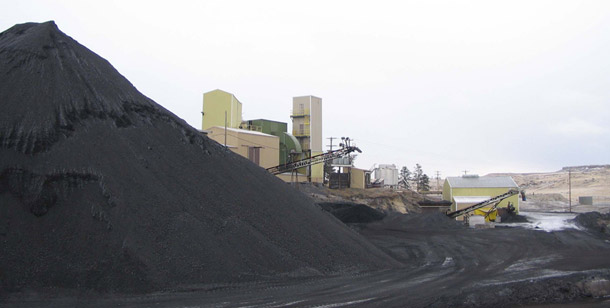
485	203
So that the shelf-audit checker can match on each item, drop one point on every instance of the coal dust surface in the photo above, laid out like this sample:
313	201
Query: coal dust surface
351	213
444	264
594	222
103	190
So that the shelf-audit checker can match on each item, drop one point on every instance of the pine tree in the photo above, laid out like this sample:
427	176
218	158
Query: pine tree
424	183
405	177
417	175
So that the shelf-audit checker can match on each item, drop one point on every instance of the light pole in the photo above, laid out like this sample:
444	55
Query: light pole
570	188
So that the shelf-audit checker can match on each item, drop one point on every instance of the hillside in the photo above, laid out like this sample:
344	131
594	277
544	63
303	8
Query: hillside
585	181
382	199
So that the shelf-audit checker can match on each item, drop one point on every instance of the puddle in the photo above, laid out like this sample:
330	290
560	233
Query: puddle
546	221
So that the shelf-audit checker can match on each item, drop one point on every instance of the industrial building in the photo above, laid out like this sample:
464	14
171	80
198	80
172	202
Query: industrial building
359	178
260	139
219	106
386	175
222	109
262	149
468	190
265	142
350	178
307	128
289	149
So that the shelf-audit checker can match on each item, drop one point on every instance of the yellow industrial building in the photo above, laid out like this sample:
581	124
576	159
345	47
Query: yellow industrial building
307	128
222	109
218	105
468	190
262	149
267	142
358	178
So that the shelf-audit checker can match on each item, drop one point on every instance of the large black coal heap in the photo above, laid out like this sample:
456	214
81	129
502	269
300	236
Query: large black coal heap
103	189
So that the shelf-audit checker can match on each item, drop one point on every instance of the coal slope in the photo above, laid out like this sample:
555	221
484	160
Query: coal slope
594	222
349	212
103	189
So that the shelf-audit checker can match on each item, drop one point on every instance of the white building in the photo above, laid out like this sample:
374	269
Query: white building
386	173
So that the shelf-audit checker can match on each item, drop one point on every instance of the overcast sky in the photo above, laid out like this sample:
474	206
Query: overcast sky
484	86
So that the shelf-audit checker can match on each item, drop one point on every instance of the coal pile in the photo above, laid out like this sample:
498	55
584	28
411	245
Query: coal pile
420	221
349	212
103	189
513	218
594	222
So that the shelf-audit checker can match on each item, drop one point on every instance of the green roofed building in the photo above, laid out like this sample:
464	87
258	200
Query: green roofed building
289	145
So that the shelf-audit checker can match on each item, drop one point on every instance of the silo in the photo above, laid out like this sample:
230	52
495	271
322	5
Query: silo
388	173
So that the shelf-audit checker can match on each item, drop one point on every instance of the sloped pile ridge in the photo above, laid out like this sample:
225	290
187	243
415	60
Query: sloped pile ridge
101	188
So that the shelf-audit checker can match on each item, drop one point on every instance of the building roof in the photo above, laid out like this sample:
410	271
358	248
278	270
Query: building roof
481	182
470	199
219	90
306	96
266	120
245	131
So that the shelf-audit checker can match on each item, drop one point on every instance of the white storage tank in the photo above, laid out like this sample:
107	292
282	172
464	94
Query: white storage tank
387	173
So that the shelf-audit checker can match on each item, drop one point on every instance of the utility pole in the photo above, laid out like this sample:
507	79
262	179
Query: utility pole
225	129
438	186
331	142
570	187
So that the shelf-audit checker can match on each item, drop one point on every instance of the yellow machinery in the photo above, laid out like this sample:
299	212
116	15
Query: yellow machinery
477	209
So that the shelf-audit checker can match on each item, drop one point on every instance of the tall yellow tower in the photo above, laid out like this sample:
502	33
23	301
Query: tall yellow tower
216	104
307	128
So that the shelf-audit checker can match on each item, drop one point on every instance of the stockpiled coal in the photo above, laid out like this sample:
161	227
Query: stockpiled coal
594	222
349	212
103	189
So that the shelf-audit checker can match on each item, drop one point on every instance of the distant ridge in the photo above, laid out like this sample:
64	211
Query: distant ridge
585	167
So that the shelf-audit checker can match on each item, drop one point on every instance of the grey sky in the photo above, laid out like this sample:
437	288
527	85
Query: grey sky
484	86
